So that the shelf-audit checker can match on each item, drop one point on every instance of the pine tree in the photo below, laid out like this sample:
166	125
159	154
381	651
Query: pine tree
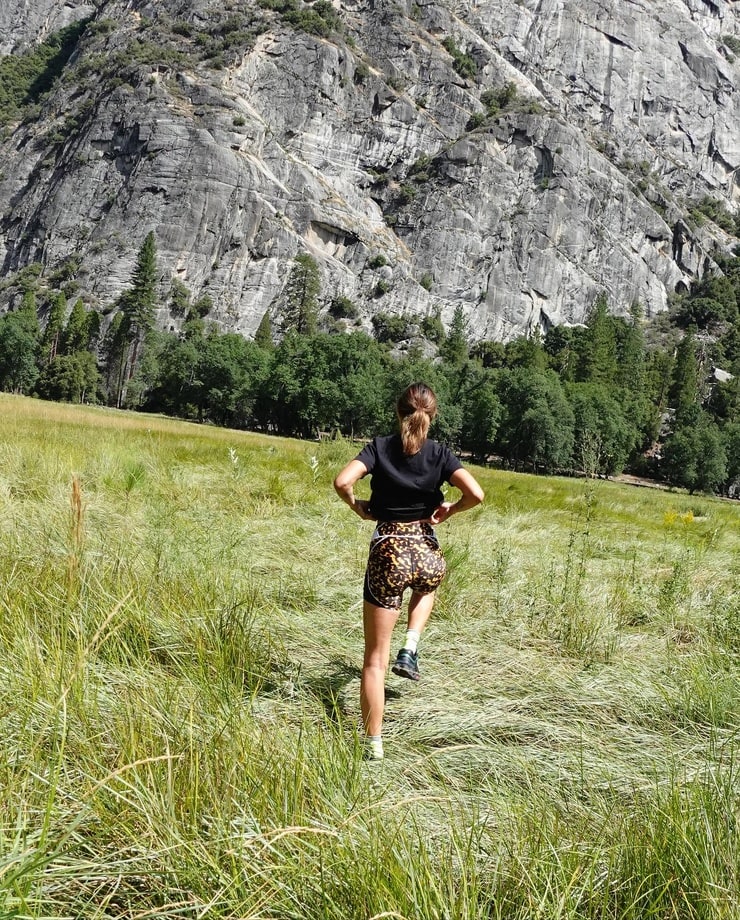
631	375
301	295
684	391
77	331
50	340
139	302
527	351
599	356
456	347
137	306
263	335
29	315
631	365
115	352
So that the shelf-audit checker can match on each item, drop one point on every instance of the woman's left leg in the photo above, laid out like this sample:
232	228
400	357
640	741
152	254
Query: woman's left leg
378	623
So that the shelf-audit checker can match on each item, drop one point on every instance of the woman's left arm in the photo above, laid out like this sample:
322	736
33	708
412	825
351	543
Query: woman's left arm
472	495
344	486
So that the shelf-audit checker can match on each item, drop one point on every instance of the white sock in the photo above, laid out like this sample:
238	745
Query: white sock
412	639
374	746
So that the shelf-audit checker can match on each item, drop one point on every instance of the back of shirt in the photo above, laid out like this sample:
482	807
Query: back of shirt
406	488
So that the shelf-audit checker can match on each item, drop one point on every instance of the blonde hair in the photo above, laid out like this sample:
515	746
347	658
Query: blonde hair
416	408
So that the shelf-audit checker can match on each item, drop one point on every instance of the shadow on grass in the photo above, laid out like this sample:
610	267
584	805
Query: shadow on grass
329	688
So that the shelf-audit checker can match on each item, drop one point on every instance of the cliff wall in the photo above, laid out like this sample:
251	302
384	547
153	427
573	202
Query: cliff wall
512	158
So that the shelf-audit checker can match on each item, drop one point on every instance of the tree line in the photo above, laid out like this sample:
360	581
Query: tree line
613	394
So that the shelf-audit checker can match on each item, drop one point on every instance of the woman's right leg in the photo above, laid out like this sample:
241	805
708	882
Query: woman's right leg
378	623
420	609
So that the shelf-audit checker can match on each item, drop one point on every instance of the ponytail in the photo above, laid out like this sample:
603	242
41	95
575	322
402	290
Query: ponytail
416	408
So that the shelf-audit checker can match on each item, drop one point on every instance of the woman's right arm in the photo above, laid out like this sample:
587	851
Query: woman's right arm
344	486
472	495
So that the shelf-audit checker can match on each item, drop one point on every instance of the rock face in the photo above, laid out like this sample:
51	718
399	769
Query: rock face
27	21
397	136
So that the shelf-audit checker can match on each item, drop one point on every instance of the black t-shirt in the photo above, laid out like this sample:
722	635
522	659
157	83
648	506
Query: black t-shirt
406	488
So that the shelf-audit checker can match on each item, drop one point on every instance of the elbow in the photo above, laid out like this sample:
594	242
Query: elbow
478	496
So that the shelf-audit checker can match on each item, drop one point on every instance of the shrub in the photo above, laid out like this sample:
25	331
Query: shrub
343	308
24	78
362	72
102	27
377	261
431	328
390	329
406	193
420	170
732	42
498	100
715	211
463	64
320	19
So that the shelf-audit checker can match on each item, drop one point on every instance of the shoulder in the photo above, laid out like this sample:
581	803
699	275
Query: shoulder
378	448
387	445
441	453
435	448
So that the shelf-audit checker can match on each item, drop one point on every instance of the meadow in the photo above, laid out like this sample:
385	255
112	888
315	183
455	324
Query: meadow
180	643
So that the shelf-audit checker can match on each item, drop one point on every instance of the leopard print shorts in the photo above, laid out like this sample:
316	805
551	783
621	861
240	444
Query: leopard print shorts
402	555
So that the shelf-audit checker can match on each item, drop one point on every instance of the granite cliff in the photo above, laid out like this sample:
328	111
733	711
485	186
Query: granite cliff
514	158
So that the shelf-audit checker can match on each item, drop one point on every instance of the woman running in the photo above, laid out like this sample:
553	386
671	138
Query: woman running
408	470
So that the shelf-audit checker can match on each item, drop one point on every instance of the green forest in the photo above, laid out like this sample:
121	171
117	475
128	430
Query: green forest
658	398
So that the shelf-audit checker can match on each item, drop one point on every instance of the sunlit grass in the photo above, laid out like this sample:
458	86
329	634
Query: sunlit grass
180	641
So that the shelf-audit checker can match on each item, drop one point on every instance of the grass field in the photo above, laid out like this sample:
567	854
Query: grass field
180	642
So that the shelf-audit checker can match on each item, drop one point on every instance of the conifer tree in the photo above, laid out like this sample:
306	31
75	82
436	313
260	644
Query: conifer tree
137	306
77	331
179	298
50	340
115	352
527	351
263	335
301	295
632	373
599	358
138	303
455	349
631	370
684	391
29	314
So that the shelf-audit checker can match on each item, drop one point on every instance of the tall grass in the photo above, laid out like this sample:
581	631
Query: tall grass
180	640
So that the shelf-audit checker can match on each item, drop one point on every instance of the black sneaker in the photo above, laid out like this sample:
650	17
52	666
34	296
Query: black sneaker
407	664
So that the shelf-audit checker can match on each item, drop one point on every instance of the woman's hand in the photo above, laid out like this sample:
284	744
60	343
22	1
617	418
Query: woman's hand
441	512
362	508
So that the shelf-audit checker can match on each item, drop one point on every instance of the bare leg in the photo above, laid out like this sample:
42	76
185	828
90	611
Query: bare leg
378	623
420	608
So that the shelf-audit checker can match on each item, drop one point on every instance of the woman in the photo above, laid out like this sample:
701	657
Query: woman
407	472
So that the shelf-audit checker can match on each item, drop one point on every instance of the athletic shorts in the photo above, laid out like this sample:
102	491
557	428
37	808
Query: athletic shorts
402	555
